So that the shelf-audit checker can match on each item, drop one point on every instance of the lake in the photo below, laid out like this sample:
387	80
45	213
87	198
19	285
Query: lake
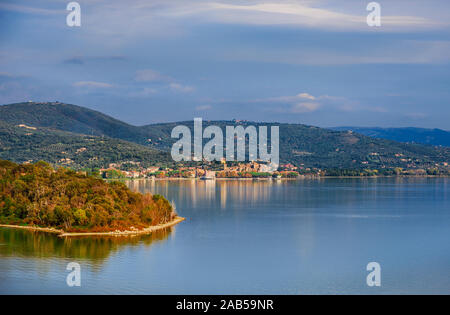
256	237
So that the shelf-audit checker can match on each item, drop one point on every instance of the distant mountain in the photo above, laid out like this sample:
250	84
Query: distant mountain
435	137
301	145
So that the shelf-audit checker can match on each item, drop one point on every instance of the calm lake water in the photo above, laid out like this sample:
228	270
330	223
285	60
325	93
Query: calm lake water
256	237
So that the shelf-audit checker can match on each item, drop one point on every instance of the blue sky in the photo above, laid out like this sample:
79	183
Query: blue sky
315	62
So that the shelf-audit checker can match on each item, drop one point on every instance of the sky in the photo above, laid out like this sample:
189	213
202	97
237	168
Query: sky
314	62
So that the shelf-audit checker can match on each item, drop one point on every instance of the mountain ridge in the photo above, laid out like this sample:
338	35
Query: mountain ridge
69	117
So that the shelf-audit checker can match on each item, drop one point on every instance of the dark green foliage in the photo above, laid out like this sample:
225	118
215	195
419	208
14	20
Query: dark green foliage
21	145
70	118
39	195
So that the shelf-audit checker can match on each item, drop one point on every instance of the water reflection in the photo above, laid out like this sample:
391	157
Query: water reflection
14	242
194	191
256	237
310	193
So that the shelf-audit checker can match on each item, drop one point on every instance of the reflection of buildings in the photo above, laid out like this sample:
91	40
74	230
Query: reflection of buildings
223	194
203	193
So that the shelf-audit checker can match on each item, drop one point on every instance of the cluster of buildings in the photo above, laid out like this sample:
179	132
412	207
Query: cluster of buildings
244	170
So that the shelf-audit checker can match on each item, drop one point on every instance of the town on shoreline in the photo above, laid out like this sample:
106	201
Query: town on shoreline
248	170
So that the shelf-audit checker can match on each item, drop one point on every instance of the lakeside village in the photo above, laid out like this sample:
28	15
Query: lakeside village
255	169
206	170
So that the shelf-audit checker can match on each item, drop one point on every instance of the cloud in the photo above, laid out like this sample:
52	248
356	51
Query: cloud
296	104
79	60
302	13
30	10
307	96
122	20
306	107
92	84
11	76
6	75
181	88
304	102
293	98
149	75
152	76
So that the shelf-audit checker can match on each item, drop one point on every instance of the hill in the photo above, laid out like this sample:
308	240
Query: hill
436	137
71	118
60	148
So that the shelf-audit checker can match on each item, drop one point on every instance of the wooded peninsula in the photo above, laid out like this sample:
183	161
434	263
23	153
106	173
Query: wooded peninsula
38	195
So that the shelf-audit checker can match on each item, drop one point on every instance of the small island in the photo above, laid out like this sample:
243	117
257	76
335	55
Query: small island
62	201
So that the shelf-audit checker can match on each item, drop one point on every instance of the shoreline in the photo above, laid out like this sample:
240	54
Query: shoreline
62	233
32	228
301	177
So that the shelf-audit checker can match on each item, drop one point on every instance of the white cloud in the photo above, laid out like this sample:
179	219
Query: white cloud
30	10
181	88
305	107
161	18
293	98
306	95
304	102
296	104
149	75
301	13
92	84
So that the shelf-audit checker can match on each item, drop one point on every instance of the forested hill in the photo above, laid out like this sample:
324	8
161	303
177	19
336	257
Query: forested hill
72	118
32	144
66	128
